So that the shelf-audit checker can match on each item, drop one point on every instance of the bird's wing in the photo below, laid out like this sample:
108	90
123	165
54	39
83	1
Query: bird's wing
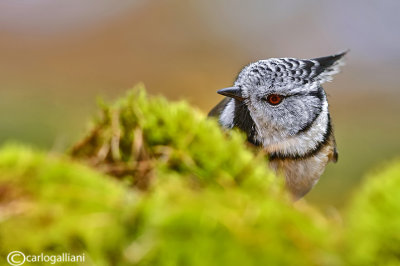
333	155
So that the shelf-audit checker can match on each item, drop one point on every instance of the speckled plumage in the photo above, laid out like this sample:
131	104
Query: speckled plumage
296	133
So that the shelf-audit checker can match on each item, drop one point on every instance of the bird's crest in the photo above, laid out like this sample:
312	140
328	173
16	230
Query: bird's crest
326	67
282	71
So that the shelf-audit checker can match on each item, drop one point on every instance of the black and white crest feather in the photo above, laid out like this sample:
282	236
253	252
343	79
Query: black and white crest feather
281	71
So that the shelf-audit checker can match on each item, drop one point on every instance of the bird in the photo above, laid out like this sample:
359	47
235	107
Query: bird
280	105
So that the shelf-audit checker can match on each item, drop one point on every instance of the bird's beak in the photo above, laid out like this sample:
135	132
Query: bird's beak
233	92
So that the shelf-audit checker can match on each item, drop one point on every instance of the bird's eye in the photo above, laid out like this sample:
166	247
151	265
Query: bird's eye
274	99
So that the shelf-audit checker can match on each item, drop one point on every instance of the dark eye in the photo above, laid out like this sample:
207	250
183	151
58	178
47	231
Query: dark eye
274	99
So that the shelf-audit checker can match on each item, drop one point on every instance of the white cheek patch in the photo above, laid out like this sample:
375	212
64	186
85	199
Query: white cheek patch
266	134
227	115
304	142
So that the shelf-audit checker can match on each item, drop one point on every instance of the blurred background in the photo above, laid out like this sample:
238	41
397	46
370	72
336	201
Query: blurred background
56	57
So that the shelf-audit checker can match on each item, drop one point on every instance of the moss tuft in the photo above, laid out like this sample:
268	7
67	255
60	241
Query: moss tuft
144	138
372	233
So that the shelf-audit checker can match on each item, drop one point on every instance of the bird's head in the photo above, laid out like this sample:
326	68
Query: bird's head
284	96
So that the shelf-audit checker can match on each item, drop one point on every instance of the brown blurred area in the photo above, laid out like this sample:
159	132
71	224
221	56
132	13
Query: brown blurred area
56	57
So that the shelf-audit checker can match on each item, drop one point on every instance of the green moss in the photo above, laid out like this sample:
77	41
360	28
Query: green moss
206	198
179	191
372	233
140	138
211	199
53	205
232	227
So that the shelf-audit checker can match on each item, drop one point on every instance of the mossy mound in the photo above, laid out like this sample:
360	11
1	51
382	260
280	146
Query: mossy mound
203	197
372	233
211	199
230	227
53	205
142	138
168	187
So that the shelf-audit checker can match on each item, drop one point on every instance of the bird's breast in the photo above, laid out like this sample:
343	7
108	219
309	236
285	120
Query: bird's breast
302	174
